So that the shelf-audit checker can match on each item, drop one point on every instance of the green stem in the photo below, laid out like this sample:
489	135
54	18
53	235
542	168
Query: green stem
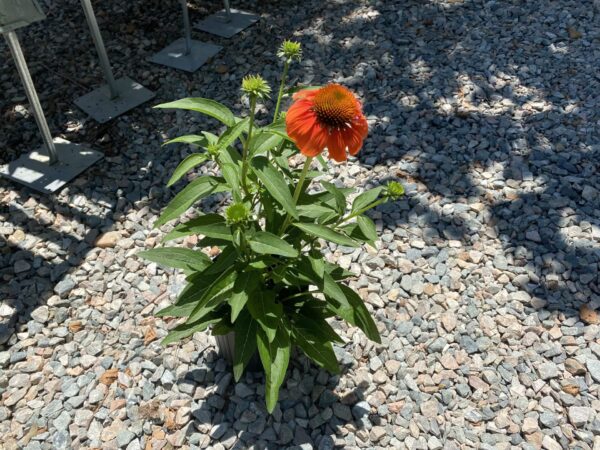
299	189
247	143
286	67
361	211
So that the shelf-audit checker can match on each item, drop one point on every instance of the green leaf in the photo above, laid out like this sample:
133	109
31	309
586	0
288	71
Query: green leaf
192	139
265	311
222	327
245	285
187	329
205	106
340	199
278	128
366	198
351	308
186	302
274	183
186	165
211	225
316	326
367	226
264	141
179	258
223	261
229	137
230	155
267	243
275	357
326	233
199	188
320	352
217	290
230	173
245	343
315	211
338	273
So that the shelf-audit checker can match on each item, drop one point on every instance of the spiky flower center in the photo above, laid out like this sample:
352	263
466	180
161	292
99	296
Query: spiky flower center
236	213
256	86
335	106
290	51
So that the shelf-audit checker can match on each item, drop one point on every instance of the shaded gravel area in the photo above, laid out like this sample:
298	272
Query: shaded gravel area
484	284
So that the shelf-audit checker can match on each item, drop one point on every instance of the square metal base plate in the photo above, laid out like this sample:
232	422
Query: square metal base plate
174	55
219	25
33	170
98	105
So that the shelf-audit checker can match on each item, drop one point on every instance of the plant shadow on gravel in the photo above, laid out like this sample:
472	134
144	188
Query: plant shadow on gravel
455	113
314	401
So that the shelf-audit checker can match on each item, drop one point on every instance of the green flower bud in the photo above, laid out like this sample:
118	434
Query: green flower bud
290	51
394	190
212	149
237	213
255	86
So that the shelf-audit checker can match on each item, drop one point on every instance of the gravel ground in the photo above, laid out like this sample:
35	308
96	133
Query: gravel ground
484	284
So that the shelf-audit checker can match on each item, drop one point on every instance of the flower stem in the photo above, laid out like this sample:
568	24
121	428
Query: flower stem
361	211
247	143
286	67
297	192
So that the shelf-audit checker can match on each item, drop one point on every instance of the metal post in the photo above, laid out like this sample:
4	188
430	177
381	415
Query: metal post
227	10
38	113
187	27
100	48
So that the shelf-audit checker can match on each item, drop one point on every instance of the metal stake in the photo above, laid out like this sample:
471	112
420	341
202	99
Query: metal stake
118	96
64	160
185	53
100	48
186	26
38	113
227	22
227	10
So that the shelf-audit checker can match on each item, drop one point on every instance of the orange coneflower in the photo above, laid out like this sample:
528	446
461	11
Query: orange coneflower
330	117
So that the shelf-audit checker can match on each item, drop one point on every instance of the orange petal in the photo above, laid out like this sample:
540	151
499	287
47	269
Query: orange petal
336	146
305	93
353	139
361	125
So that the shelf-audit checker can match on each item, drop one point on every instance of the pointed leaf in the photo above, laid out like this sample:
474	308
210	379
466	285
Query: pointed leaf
229	137
265	311
220	286
264	141
199	188
186	165
178	258
367	226
211	225
230	173
315	326
340	199
275	357
323	232
187	329
192	139
274	183
351	308
245	285
316	211
267	243
366	198
245	343
320	352
205	106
